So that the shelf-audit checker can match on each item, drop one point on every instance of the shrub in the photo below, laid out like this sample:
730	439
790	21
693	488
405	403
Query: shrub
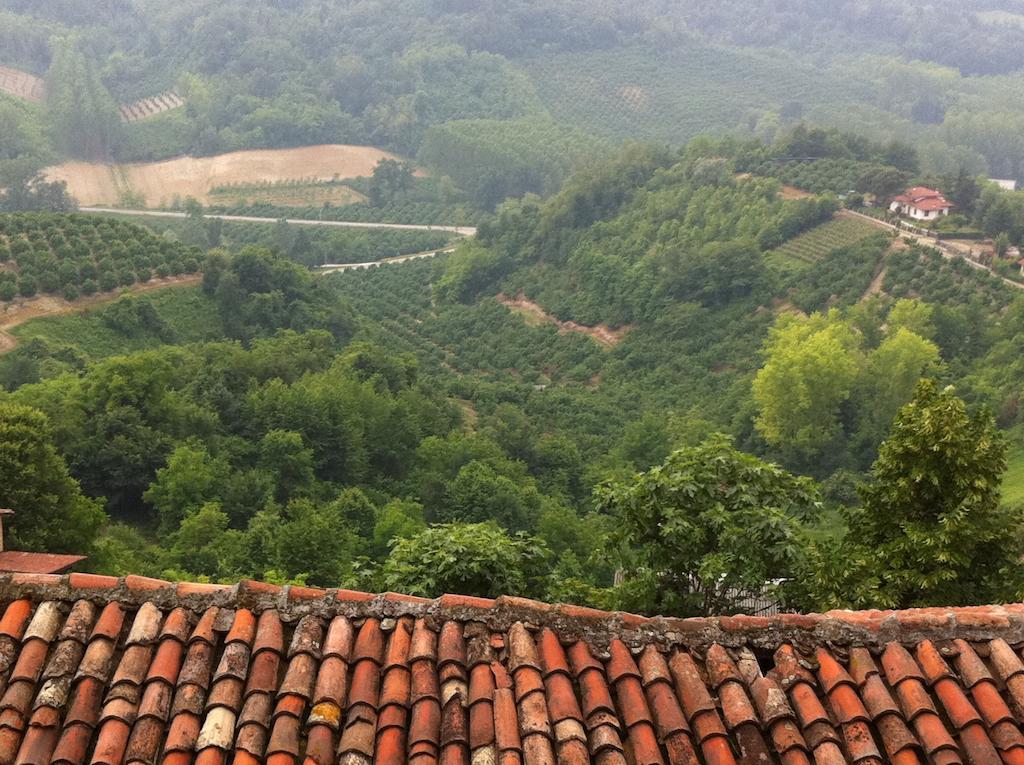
27	285
108	281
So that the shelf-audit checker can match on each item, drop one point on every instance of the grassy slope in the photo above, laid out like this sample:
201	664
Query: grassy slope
190	314
1013	479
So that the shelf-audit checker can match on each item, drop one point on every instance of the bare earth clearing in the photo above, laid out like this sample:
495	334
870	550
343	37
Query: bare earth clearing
22	84
533	314
160	182
22	311
791	192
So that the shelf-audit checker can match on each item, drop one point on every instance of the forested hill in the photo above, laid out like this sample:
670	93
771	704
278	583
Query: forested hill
802	345
506	97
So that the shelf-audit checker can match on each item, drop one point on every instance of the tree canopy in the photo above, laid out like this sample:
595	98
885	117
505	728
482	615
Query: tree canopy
708	528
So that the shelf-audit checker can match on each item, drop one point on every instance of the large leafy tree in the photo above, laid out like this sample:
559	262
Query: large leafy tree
809	373
468	559
931	529
52	514
706	527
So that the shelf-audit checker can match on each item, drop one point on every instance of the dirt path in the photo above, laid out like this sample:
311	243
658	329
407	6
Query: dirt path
49	305
875	287
534	314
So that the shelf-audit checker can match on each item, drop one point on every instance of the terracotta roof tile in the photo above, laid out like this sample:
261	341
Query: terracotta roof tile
104	672
331	682
269	633
204	627
109	623
308	638
320	745
258	709
16	618
146	625
370	643
226	693
338	642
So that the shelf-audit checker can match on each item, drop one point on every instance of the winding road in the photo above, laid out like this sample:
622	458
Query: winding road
457	230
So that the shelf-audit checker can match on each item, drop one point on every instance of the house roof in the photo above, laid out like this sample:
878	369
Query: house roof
924	199
105	670
37	563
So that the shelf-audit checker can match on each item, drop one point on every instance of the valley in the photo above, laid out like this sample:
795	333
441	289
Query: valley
649	309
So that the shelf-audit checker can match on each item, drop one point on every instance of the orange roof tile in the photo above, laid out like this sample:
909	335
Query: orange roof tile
103	670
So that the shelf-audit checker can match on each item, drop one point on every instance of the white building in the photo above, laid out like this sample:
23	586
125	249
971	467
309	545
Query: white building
921	203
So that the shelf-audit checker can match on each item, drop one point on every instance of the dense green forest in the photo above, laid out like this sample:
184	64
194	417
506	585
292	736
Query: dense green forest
404	428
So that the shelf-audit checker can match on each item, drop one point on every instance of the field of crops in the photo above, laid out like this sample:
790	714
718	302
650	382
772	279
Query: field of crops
812	246
674	95
451	340
74	255
819	176
290	193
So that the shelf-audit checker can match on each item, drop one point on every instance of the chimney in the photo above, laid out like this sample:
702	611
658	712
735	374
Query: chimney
4	513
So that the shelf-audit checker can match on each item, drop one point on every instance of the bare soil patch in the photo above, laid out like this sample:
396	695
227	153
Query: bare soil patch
22	84
99	184
792	192
534	315
21	311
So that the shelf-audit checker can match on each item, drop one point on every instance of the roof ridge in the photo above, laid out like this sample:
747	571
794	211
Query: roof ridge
598	628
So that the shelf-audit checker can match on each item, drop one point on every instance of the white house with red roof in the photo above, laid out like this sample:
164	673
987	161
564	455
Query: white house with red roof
921	203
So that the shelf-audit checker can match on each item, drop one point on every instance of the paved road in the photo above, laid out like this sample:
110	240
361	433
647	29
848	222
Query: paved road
458	230
329	268
945	248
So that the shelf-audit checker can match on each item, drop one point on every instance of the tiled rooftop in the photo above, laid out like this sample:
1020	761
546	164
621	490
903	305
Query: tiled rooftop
109	671
37	563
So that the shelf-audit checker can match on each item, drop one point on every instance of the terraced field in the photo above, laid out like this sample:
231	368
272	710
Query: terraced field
22	84
148	107
815	244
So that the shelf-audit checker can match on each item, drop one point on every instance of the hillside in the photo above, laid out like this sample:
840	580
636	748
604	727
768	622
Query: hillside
498	101
73	255
579	338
